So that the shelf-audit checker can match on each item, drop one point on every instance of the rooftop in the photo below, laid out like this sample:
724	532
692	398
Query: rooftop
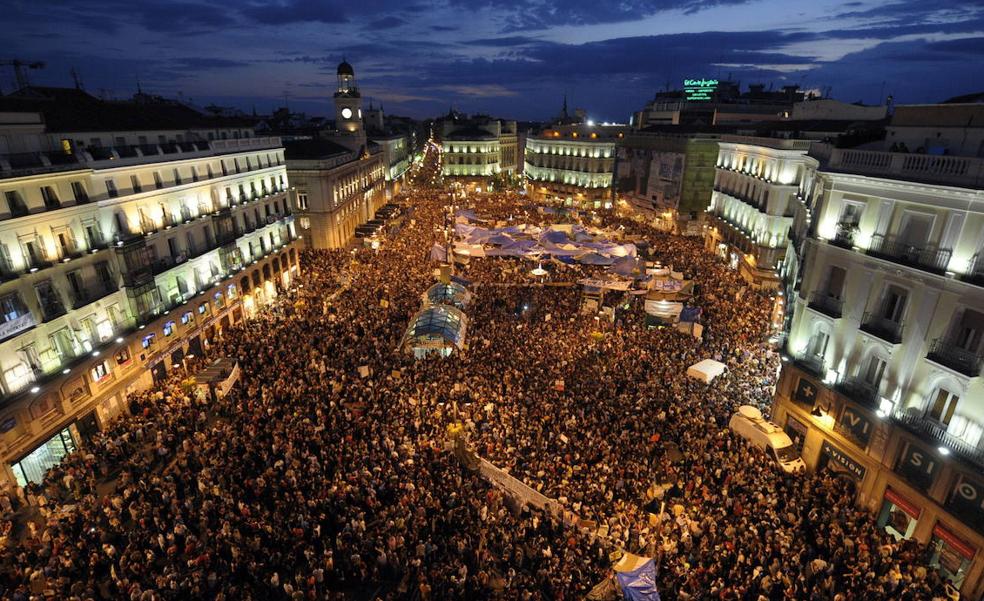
75	110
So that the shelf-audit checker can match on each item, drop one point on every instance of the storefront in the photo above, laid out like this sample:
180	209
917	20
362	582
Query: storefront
950	555
898	515
32	467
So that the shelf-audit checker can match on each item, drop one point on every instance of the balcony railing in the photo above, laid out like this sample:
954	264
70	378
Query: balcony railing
886	329
950	355
826	304
84	297
811	363
951	170
844	236
913	420
928	258
859	390
975	274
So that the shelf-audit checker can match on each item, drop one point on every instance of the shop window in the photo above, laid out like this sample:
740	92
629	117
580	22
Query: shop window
950	555
99	372
122	357
168	328
898	515
187	317
33	467
148	341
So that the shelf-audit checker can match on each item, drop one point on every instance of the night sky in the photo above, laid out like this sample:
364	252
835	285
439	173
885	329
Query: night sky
508	58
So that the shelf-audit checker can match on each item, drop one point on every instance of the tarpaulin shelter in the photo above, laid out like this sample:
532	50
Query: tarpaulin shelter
706	370
637	577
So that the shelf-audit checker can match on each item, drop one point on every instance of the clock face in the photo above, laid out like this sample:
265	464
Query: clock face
346	113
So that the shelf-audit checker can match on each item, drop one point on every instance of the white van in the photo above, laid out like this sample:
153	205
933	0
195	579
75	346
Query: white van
750	425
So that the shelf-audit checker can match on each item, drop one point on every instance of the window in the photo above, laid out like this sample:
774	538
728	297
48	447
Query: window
122	356
168	328
942	406
894	304
872	374
135	183
111	188
302	201
202	308
305	223
177	177
99	372
835	282
818	344
78	191
187	317
158	182
50	198
15	203
851	213
148	341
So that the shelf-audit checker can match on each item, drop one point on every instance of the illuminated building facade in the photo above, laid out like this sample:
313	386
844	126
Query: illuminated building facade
883	378
471	149
757	188
338	189
573	165
122	252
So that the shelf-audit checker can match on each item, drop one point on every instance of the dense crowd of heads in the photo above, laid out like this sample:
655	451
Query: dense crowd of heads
310	481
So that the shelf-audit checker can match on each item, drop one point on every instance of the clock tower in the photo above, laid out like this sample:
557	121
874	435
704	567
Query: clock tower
348	102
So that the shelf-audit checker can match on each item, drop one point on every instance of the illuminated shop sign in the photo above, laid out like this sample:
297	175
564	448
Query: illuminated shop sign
699	89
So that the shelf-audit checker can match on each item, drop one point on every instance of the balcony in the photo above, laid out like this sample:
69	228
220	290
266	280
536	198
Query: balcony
927	258
826	304
975	273
84	297
913	420
860	391
811	363
51	308
886	329
952	356
844	236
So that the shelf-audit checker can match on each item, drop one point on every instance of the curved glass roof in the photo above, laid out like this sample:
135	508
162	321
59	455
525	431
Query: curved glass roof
448	294
437	324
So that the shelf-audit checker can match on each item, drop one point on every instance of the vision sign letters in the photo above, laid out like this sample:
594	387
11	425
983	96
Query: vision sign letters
918	466
841	459
856	426
967	503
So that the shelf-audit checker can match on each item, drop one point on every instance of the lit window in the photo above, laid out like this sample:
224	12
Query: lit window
148	340
123	356
169	328
99	372
187	317
202	308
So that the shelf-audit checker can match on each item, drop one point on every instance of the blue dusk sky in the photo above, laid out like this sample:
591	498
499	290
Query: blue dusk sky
508	58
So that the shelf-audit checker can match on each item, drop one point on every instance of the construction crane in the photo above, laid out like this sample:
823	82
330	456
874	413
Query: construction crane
20	69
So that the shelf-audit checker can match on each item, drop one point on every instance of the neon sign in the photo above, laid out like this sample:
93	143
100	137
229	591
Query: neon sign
699	89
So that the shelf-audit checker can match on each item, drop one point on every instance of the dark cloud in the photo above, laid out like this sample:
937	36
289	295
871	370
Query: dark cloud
502	42
295	11
205	64
390	22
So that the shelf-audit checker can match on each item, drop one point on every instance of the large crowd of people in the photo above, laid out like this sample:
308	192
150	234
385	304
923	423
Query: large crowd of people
326	474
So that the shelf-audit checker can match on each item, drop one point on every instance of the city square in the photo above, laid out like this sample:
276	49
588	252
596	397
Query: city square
730	349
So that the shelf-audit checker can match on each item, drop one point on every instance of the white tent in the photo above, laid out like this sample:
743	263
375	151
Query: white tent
706	370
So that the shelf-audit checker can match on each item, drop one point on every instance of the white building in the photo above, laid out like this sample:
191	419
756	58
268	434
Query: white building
757	187
887	347
573	164
118	258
